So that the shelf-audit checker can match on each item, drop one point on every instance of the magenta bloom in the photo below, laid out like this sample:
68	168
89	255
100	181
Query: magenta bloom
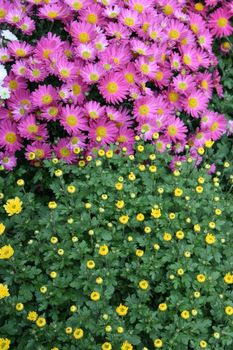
54	11
126	138
144	107
47	46
220	24
20	49
9	137
8	161
215	124
72	118
195	103
63	151
175	130
44	96
113	88
103	131
40	149
93	110
31	130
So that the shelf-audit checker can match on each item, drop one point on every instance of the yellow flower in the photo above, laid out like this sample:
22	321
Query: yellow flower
58	173
185	314
180	272
6	252
124	219
99	280
158	343
4	291
120	204
131	176
109	153
140	148
120	330
201	278
178	192
95	296
90	264
32	316
87	205
2	228
218	211
140	217
201	150
5	343
229	310
228	278
172	216
78	333
104	197
210	238
201	180
73	308
106	346
197	294
103	250
41	322
141	167
144	284
52	205
203	344
199	189
43	289
53	240
71	189
55	348
180	234
20	182
53	274
152	168
101	152
156	213
126	346
122	310
139	252
118	186
147	229
163	307
13	206
209	143
167	236
69	330
160	190
197	228
19	307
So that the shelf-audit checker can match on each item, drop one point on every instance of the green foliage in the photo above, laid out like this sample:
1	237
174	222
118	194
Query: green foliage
149	248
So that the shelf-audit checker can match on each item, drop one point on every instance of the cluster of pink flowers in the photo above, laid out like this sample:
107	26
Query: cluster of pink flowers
126	67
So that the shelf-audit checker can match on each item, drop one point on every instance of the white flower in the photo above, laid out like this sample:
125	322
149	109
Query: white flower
4	93
3	73
8	35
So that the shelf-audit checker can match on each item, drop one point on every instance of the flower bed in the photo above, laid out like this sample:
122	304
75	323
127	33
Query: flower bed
119	254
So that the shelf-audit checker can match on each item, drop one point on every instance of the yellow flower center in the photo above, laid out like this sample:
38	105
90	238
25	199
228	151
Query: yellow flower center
20	52
94	77
201	40
36	73
129	77
204	84
32	128
199	7
65	73
194	28
160	111
92	18
52	14
214	126
172	130
173	96
174	34
101	131
159	76
193	102
46	53
86	54
76	89
145	68
139	7
13	84
65	152
2	13
183	86
76	5
145	27
199	135
144	109
121	138
187	60
72	120
11	137
47	99
129	21
112	87
83	37
168	10
222	22
39	153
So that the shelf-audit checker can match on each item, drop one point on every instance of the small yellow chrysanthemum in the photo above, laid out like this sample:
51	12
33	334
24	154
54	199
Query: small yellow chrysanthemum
19	307
13	206
124	219
6	252
156	213
71	189
178	192
106	346
126	346
140	217
139	252
201	278
118	186
52	205
5	343
228	278
4	291
158	343
32	316
197	228
2	228
131	176
199	189
103	250
144	284
229	310
41	322
163	307
120	204
210	238
167	236
122	310
185	314
179	234
78	333
95	296
203	344
90	264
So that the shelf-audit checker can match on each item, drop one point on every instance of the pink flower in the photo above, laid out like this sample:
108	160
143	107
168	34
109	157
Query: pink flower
9	137
102	131
20	49
8	161
220	24
63	151
72	118
215	124
54	11
44	96
31	130
195	103
113	88
175	130
40	149
47	46
144	107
